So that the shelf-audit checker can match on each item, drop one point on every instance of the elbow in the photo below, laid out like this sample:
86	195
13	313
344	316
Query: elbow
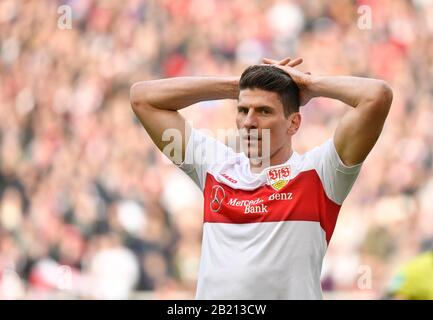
137	95
384	95
379	98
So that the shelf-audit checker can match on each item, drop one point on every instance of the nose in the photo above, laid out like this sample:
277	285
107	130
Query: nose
251	120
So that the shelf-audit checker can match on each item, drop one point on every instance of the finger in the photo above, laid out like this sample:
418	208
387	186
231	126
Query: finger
269	61
295	62
285	61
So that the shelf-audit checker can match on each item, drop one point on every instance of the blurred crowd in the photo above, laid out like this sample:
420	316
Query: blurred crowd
90	209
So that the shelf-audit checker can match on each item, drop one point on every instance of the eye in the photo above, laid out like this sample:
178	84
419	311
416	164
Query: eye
243	110
264	112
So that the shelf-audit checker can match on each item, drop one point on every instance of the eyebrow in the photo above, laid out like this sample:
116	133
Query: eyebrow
255	107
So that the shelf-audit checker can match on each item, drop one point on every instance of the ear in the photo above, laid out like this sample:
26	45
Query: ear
294	123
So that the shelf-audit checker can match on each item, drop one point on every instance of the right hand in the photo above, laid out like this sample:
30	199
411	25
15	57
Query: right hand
302	80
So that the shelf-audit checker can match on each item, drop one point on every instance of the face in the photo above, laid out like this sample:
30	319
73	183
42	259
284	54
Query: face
258	110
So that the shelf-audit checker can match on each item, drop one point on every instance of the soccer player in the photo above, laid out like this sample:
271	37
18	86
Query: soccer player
266	230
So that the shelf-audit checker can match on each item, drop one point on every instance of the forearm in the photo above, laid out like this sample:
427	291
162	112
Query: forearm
354	91
180	92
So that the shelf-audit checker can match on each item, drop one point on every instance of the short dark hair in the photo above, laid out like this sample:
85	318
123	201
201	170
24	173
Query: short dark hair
271	78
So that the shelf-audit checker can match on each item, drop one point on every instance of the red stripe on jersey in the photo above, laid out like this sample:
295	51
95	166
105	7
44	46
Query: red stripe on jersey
301	199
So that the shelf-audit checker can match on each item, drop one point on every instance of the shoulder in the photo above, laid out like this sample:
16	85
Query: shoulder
337	179
326	157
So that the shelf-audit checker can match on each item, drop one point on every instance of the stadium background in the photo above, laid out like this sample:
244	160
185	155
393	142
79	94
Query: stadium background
90	209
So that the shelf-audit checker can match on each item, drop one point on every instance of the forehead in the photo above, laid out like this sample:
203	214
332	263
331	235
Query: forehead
258	97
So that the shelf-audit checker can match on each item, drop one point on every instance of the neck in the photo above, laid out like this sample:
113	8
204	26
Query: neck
280	156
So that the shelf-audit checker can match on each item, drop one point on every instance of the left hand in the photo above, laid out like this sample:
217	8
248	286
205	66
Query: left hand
303	80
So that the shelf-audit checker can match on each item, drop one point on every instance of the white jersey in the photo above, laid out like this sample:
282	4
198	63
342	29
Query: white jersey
265	235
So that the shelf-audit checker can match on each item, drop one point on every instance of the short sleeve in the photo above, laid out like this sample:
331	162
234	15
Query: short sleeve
202	154
336	177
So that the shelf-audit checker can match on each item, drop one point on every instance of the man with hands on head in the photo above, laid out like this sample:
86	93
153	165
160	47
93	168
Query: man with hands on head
266	229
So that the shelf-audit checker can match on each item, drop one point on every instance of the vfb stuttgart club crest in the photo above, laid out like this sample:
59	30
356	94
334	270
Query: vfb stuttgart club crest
278	177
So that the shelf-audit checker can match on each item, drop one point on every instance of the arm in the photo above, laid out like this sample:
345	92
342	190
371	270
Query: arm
156	103
359	129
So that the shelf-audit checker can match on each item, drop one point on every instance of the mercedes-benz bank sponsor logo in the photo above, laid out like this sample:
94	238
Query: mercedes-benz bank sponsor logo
216	198
250	206
257	205
218	195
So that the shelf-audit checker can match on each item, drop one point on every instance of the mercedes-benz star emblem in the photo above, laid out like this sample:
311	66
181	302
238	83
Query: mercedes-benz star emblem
217	196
